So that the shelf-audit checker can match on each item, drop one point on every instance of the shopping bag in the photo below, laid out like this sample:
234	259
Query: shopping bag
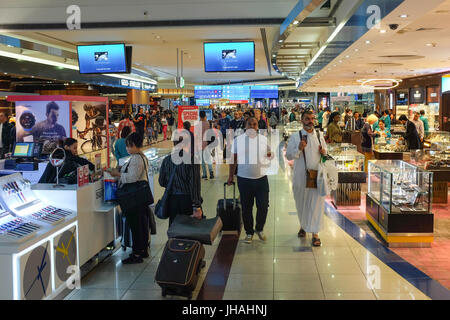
203	230
110	187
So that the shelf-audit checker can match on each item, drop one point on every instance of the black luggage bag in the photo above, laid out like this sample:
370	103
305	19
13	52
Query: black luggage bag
179	268
230	212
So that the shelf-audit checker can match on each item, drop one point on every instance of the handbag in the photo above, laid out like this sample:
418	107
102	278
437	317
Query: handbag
135	194
203	230
311	175
161	206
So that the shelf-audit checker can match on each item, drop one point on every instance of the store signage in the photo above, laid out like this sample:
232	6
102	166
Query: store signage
83	176
188	113
433	95
238	101
134	84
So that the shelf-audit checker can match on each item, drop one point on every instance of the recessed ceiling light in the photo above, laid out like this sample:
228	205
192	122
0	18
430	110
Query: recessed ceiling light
367	41
382	31
281	40
295	22
356	50
5	72
403	16
347	56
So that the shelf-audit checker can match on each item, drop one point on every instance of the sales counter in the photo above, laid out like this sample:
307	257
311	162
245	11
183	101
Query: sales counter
48	233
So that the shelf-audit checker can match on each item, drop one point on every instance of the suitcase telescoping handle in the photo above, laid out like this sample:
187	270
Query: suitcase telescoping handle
225	195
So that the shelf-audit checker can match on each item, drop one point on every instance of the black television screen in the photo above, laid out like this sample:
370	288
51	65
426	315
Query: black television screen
229	56
103	58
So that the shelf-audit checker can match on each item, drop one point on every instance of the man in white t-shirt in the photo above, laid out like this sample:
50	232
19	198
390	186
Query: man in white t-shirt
252	155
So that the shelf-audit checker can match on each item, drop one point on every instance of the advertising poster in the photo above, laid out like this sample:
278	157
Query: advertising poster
81	175
45	122
89	125
188	113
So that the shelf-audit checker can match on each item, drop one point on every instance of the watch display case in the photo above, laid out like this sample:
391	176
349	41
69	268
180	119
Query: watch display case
439	140
350	166
389	148
437	162
399	202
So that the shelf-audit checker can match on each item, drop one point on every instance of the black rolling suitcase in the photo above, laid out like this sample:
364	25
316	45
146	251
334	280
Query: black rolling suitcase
179	267
229	211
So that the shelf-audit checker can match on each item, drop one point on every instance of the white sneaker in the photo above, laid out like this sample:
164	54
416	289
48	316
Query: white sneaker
261	236
249	238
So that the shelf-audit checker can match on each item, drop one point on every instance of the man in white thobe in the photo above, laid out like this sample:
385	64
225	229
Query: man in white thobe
310	205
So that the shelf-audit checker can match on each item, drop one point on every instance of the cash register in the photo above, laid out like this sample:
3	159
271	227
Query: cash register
25	157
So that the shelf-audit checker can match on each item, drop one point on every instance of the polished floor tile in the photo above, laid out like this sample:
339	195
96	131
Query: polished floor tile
304	283
98	294
285	266
343	283
246	266
250	282
349	296
108	280
299	296
247	295
338	266
144	295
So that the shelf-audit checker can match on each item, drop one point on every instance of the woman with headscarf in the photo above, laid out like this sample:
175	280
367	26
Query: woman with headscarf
334	132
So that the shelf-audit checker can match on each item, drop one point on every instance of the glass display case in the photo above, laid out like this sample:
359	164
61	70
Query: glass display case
437	162
439	140
399	202
350	165
389	148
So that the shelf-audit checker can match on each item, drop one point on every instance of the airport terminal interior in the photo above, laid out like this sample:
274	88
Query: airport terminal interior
225	150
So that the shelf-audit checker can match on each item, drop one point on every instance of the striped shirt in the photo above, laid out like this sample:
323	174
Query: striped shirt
186	180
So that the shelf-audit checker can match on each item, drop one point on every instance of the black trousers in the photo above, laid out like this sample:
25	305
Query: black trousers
179	204
251	190
138	221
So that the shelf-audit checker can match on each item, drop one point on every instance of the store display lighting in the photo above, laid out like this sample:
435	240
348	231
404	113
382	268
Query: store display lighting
382	83
403	16
37	60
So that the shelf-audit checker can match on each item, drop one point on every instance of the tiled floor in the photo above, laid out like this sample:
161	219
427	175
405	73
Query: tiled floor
283	267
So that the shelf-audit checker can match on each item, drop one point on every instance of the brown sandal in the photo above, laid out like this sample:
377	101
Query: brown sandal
301	233
316	242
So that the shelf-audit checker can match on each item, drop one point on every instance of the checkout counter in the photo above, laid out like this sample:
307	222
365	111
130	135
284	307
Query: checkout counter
48	232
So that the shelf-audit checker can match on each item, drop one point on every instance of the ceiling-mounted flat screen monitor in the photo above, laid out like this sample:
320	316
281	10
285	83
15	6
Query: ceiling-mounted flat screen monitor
102	58
229	56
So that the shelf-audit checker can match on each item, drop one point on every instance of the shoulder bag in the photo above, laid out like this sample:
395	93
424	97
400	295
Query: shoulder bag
135	194
311	175
161	206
